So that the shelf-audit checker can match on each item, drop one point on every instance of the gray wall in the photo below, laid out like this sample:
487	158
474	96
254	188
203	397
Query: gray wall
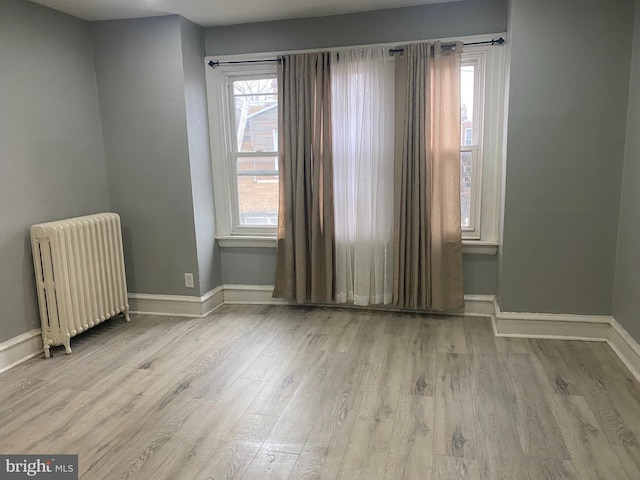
626	298
51	155
195	88
257	266
567	119
468	17
248	266
141	87
480	274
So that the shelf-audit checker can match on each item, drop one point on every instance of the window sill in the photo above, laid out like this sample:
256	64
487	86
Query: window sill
246	241
469	247
479	247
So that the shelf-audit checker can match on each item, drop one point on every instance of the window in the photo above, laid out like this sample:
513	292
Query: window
243	114
254	152
471	88
481	113
247	149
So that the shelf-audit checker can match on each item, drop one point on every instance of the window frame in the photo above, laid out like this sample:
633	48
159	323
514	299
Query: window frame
476	59
224	149
489	94
484	239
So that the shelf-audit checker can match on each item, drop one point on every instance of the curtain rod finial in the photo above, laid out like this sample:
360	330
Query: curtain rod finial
213	64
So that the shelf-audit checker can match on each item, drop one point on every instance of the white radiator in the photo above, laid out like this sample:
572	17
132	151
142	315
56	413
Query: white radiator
79	268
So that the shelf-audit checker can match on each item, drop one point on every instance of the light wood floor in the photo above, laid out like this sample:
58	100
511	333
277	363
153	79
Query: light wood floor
257	392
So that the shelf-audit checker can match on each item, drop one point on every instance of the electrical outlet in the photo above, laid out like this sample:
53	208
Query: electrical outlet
188	280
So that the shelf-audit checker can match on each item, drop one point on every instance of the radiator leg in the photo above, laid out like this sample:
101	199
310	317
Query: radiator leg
46	346
126	315
67	345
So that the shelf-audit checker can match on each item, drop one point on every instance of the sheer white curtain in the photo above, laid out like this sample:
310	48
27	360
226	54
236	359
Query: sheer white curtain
362	86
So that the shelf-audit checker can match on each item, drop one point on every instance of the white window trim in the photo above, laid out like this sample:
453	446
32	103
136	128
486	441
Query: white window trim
484	242
473	247
491	155
472	232
223	150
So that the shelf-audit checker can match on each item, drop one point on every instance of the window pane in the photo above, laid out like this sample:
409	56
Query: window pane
258	190
466	162
256	115
254	86
467	74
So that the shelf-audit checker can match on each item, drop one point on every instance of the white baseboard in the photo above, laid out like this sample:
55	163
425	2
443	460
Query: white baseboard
475	305
230	294
176	305
20	349
251	295
625	346
212	300
551	326
590	328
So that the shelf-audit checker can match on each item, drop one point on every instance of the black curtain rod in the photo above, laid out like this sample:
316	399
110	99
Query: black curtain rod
267	60
498	41
494	41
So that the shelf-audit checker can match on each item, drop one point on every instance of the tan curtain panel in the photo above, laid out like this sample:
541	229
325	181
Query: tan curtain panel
427	232
305	249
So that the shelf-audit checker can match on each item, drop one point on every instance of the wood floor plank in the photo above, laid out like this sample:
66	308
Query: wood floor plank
501	468
399	323
324	449
411	449
276	391
134	450
132	382
343	334
270	465
101	412
454	431
366	453
17	434
320	320
21	408
613	406
183	348
512	345
491	387
290	432
203	432
419	373
478	334
455	468
551	353
451	335
551	469
539	434
591	453
234	455
630	459
613	369
499	447
546	384
618	421
215	371
275	352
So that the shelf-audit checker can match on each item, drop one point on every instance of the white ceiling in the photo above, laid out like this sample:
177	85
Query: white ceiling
222	12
